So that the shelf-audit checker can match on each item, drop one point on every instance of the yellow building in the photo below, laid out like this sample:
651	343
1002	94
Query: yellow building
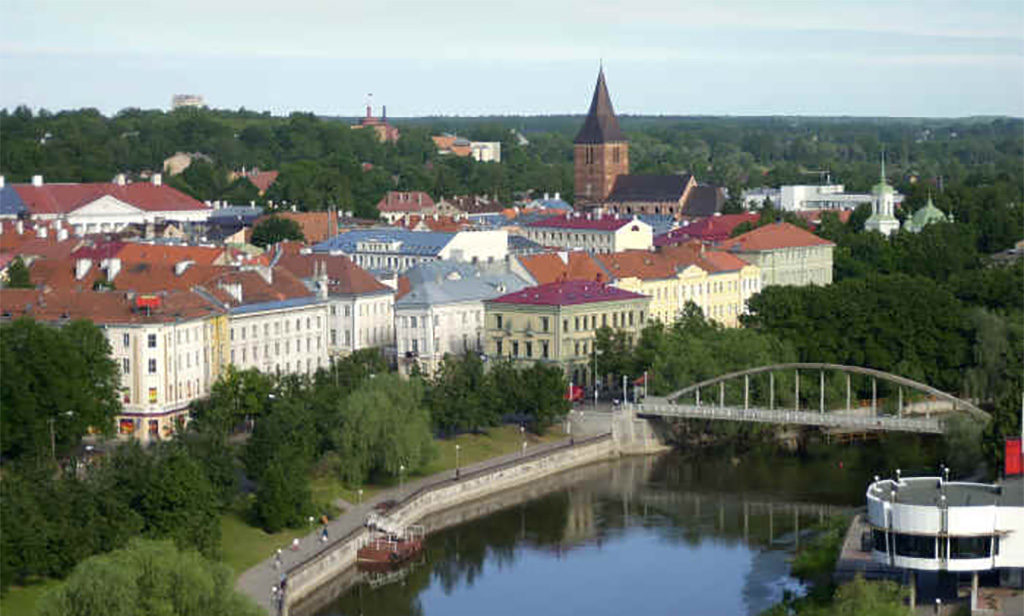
558	323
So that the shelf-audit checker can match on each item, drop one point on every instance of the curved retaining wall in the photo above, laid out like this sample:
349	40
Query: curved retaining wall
339	555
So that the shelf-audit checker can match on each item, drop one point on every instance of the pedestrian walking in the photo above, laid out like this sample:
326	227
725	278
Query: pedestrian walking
295	544
277	559
323	534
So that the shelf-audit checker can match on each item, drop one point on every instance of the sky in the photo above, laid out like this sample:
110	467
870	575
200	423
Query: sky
927	58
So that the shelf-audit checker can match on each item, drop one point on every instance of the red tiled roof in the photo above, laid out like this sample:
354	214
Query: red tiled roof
101	307
773	237
404	287
709	229
443	223
565	293
695	253
395	201
169	253
343	276
642	264
66	198
550	267
573	221
263	179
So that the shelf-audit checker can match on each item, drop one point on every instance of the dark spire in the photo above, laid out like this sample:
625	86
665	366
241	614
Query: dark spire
601	125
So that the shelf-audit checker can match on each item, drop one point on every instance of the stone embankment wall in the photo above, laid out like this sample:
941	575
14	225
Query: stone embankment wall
338	556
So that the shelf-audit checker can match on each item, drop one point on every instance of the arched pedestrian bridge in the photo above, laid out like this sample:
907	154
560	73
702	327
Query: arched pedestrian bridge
687	402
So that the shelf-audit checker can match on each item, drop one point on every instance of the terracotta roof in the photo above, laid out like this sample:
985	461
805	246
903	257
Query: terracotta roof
101	307
169	253
600	125
404	287
316	226
642	264
710	229
413	201
65	198
263	179
343	276
566	293
773	237
553	267
574	221
442	223
650	188
696	253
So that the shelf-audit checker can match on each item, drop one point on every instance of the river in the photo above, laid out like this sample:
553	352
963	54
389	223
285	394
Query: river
709	534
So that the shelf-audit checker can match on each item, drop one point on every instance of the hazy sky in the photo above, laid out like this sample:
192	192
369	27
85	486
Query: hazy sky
426	57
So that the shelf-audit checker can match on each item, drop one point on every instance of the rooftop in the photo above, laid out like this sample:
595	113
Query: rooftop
774	236
928	490
443	282
650	188
580	221
567	293
421	243
600	125
65	198
710	229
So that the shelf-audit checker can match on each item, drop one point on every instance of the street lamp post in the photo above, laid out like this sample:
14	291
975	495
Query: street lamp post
456	460
401	477
360	496
522	434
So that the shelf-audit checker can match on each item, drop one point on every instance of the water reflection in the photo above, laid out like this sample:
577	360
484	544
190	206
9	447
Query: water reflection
638	535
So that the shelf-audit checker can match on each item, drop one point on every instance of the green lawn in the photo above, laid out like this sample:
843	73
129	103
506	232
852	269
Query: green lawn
21	600
244	546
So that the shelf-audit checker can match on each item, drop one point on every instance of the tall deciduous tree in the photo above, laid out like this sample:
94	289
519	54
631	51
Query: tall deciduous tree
148	577
56	383
18	275
276	229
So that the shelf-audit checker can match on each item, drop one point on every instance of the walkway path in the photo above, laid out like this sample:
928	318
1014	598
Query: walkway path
257	581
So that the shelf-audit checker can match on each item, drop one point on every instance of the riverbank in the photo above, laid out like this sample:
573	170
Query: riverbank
313	562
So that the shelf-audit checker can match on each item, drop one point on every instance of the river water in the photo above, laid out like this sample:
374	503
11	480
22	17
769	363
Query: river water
651	535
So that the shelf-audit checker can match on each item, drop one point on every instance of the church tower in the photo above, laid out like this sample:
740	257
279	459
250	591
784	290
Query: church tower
601	152
883	217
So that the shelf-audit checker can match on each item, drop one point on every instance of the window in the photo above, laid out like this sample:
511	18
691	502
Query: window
916	546
544	349
232	333
498	318
127	340
126	365
515	348
412	322
970	547
152	395
529	349
577	323
565	325
152	366
544	324
151	341
498	346
334	337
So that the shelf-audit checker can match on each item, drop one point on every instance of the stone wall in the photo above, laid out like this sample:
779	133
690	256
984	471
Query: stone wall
306	577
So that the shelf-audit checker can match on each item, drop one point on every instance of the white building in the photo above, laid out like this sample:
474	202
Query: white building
443	310
807	197
931	524
593	233
486	151
104	207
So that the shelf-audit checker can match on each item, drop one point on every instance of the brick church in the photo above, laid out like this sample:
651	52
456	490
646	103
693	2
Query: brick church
603	181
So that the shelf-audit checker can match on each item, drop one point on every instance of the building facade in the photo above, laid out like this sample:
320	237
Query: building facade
599	234
785	254
396	250
557	323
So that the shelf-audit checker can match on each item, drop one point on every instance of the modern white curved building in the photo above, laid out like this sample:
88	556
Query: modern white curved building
929	524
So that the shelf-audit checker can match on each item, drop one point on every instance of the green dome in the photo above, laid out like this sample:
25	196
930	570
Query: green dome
926	216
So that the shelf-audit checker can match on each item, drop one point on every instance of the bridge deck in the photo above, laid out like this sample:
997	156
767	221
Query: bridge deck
838	419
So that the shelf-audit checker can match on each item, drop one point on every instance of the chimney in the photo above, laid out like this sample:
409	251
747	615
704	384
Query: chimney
62	234
157	179
119	179
384	113
368	110
19	226
419	198
113	267
82	268
37	180
41	232
557	197
1	181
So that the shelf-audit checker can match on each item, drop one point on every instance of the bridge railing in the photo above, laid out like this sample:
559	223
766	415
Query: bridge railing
809	418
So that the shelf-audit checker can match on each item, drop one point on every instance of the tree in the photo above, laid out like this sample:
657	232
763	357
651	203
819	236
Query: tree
283	497
457	393
276	229
56	381
18	275
544	400
148	577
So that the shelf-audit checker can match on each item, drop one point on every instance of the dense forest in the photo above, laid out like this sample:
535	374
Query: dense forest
322	161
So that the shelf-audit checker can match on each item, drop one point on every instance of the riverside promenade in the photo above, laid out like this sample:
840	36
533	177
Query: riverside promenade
258	581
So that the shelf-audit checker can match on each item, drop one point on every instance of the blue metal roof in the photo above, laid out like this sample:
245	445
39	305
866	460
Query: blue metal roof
418	243
275	305
446	282
555	204
10	202
235	213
